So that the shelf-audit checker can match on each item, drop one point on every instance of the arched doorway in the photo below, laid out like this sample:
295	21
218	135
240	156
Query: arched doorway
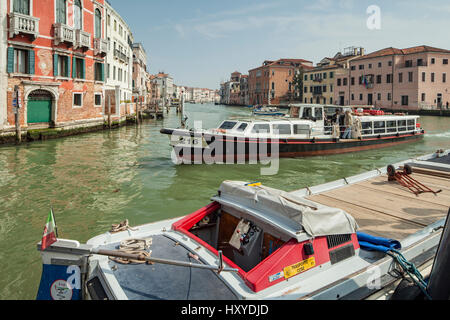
39	107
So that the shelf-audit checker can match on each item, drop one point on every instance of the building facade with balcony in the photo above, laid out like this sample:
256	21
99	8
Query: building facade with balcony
139	73
321	82
273	82
3	61
119	62
53	64
399	79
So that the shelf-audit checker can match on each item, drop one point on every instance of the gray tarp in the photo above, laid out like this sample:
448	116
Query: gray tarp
313	218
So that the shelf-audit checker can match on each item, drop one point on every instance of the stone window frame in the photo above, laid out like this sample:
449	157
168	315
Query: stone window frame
101	101
73	100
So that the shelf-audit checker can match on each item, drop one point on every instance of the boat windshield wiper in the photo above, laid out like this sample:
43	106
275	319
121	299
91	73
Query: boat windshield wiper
117	254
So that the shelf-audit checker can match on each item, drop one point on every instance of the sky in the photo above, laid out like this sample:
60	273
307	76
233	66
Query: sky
201	42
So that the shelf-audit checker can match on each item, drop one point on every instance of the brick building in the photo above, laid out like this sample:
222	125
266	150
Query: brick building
55	58
411	78
3	61
273	82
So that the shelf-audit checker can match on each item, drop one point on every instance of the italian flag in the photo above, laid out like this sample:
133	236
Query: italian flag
49	236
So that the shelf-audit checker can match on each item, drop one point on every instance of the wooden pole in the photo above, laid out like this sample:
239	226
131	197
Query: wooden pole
17	116
18	131
109	112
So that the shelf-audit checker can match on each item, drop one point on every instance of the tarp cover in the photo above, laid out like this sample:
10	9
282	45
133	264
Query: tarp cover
313	218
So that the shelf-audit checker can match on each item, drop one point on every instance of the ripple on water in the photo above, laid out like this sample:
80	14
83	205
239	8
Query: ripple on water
96	179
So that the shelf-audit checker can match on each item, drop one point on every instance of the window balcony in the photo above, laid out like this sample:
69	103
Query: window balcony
100	46
82	39
64	33
20	23
121	56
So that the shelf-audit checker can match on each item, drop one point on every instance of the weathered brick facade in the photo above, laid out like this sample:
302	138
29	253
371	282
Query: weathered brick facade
55	50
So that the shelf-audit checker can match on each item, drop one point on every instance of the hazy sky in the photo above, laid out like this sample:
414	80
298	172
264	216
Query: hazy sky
201	42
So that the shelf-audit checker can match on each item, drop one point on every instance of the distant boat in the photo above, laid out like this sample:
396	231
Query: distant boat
268	111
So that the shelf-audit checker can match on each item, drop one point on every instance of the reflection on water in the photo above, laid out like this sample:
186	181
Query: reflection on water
97	179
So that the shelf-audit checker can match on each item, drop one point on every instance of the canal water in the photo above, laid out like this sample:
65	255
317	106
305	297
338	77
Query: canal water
97	179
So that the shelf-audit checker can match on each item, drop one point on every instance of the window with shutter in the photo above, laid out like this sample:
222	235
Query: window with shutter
77	13
31	62
98	24
55	65
74	67
61	11
21	6
10	66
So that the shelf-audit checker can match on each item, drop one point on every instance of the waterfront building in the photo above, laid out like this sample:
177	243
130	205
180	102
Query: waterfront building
230	91
243	87
165	86
273	82
399	79
3	74
55	53
119	63
139	73
319	83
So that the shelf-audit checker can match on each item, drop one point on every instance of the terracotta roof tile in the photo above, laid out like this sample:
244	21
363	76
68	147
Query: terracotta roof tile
395	51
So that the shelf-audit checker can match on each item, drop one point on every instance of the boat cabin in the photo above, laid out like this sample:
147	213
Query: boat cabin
316	121
273	239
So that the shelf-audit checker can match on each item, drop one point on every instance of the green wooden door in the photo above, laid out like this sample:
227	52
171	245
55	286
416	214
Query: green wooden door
39	110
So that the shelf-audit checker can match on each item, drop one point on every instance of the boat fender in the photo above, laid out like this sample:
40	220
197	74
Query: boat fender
313	140
379	136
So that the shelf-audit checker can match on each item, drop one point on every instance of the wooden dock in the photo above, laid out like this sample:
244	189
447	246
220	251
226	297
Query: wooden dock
386	208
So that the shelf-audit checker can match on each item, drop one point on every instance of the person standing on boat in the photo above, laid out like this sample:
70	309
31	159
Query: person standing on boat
348	125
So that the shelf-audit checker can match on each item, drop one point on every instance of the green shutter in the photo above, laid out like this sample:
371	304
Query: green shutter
67	71
83	69
10	60
74	67
31	62
55	65
102	72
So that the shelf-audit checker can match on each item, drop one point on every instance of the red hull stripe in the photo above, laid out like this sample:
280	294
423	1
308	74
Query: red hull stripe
317	141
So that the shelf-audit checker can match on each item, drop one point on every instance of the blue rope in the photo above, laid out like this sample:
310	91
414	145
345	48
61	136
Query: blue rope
411	270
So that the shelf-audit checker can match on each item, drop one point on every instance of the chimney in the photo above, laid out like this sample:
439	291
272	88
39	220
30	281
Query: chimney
362	51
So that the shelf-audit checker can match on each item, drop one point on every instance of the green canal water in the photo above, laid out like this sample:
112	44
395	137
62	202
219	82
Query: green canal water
97	179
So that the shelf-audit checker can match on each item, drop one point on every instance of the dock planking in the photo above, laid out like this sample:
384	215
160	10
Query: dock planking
387	209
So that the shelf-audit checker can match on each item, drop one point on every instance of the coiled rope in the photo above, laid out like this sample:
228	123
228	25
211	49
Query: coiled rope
411	270
134	246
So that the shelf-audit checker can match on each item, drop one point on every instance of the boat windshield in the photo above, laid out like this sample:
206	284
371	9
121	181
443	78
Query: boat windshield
242	127
228	125
261	128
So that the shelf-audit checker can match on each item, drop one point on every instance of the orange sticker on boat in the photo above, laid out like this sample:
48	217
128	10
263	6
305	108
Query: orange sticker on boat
298	268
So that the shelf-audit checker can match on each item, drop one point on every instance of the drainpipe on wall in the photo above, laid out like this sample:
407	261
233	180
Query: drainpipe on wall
392	81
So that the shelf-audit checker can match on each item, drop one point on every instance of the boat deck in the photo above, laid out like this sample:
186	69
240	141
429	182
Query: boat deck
387	209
